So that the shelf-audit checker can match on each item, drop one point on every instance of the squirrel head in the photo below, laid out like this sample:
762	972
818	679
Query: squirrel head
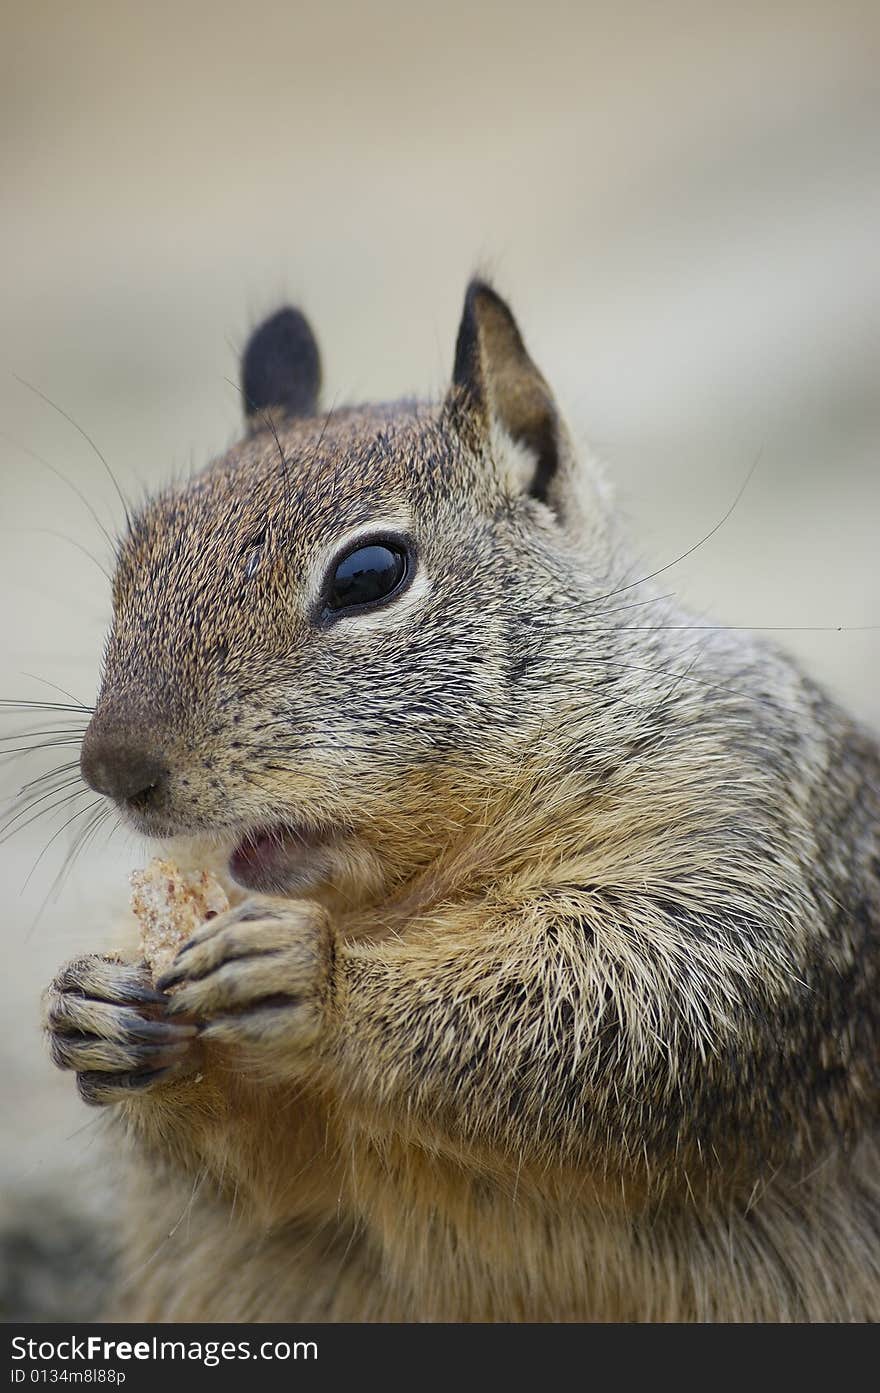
327	647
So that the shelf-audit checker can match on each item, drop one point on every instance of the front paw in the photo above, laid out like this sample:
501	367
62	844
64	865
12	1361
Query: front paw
258	979
104	1020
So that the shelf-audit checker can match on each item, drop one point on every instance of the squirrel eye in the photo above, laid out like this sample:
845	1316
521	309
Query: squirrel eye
367	576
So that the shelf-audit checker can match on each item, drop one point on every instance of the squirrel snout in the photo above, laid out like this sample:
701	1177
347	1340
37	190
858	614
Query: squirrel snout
121	768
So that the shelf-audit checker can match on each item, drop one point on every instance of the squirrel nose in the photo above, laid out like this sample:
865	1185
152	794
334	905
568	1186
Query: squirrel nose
120	768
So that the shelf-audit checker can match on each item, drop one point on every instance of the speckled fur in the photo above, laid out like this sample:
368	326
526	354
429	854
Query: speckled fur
582	1024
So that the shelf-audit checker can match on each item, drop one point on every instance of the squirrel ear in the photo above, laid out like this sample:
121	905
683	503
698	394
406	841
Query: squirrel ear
497	383
281	367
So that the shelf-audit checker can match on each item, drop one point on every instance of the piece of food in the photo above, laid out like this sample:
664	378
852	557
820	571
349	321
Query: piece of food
170	904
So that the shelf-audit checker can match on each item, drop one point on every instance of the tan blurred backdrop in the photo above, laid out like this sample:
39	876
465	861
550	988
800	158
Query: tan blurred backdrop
682	202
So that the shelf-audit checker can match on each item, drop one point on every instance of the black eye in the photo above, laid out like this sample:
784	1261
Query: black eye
368	575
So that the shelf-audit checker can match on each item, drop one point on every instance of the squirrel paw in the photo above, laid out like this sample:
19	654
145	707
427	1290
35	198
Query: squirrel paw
104	1020
256	978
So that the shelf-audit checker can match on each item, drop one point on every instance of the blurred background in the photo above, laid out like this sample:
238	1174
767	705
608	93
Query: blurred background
682	203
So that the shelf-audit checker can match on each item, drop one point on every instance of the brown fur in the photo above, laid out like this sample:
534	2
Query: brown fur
574	1015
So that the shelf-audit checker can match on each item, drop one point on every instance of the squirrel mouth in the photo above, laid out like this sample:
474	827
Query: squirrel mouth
280	859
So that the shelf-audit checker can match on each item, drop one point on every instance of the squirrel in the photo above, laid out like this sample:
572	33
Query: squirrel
555	993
